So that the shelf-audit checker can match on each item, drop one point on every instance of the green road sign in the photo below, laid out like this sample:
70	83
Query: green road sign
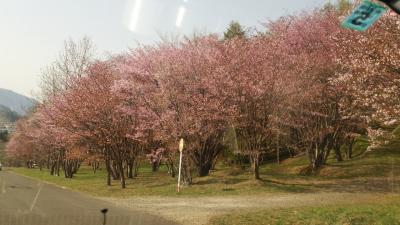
364	16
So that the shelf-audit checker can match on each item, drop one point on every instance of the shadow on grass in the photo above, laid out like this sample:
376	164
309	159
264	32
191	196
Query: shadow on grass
362	186
228	189
285	187
234	180
207	181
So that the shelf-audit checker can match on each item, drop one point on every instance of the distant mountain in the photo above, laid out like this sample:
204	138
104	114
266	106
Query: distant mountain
7	116
16	102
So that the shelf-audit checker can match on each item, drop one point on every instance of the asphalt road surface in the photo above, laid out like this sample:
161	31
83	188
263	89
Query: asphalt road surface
25	201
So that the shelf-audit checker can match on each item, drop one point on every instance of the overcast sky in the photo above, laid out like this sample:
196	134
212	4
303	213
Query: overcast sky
32	31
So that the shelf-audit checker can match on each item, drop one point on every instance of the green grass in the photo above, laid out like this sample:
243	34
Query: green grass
386	213
380	164
220	182
284	178
377	163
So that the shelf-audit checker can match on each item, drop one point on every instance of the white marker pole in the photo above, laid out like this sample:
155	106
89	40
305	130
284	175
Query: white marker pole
180	163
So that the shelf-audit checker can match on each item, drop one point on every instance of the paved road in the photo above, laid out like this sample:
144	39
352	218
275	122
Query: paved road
24	201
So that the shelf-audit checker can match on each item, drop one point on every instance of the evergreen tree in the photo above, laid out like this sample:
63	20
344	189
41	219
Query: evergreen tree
234	30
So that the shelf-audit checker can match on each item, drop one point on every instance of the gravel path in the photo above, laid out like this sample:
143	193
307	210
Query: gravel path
198	210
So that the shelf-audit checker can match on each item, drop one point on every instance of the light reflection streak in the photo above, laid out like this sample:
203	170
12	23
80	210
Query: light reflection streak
181	14
135	15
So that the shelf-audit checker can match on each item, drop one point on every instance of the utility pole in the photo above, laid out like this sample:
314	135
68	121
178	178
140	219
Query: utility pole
181	145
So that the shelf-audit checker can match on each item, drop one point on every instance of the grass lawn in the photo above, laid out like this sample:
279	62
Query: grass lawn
384	213
382	163
220	182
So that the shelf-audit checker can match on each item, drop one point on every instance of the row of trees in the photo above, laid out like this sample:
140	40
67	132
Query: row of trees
3	139
304	85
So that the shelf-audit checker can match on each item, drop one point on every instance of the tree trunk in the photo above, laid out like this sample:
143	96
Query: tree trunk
317	157
204	169
350	149
317	163
290	153
52	168
58	165
121	174
108	168
136	166
255	160
240	160
171	167
118	164
256	170
277	149
67	166
76	165
154	166
327	153
130	170
48	162
214	163
114	170
127	170
95	166
207	155
186	172
338	154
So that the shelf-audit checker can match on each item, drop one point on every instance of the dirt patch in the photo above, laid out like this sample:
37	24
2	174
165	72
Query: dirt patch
198	210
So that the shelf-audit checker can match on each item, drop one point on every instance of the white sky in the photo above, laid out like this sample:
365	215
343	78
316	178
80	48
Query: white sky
32	31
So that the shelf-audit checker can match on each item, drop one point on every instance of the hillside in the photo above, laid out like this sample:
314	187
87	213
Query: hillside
15	102
7	116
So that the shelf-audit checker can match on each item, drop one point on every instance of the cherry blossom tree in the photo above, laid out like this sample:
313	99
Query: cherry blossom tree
181	91
317	107
254	90
370	69
90	109
305	84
